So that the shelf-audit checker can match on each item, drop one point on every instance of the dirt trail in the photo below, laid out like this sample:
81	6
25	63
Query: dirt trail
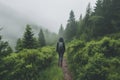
67	74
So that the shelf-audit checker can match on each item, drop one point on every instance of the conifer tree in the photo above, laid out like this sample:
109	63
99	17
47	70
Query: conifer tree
99	8
19	45
88	14
28	39
61	31
86	28
115	14
41	39
70	31
5	49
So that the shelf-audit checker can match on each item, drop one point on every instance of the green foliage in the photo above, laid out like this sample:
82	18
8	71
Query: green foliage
53	72
28	39
28	64
97	23
61	31
94	24
114	35
95	60
71	28
5	49
41	39
110	23
19	45
84	28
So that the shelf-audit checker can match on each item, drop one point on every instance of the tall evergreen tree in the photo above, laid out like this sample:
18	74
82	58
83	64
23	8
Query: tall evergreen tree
5	49
85	27
61	31
107	15
99	8
79	27
36	45
41	39
70	31
115	14
88	14
28	39
71	17
19	45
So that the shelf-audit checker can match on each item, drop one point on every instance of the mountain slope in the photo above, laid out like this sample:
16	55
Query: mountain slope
13	24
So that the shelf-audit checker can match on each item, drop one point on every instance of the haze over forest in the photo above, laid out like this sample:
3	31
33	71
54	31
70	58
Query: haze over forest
15	14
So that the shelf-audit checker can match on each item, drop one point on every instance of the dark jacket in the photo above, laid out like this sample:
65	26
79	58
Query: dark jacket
63	50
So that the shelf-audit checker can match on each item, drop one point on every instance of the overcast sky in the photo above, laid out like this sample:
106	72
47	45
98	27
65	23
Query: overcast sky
49	13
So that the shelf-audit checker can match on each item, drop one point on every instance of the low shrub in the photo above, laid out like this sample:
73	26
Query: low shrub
95	60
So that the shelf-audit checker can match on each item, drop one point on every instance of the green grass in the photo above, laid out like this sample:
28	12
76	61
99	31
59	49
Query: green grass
53	73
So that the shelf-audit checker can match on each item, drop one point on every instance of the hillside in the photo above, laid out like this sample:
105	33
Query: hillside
13	24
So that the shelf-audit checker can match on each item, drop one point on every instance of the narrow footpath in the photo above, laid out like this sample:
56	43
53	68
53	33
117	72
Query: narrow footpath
67	74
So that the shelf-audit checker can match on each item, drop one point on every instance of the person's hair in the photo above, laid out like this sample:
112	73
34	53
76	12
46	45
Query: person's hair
61	39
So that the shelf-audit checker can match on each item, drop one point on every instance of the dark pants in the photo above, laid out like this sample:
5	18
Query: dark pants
60	58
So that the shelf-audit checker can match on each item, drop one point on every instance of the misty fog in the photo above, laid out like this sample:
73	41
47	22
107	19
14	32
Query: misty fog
49	14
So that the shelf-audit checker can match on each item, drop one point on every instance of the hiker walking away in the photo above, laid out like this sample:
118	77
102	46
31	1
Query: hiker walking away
60	49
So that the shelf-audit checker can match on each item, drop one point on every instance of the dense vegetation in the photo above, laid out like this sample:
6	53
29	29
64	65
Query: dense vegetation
95	60
26	65
5	49
93	50
30	41
32	60
103	20
30	64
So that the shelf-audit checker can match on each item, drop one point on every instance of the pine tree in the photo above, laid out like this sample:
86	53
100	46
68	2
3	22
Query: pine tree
41	39
88	14
99	8
5	49
36	45
70	31
28	39
61	31
107	12
19	45
115	14
86	28
71	17
79	27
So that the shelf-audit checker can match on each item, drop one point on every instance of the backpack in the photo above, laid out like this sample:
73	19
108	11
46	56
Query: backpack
60	46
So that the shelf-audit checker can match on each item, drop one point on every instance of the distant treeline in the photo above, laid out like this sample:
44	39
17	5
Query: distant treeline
103	20
29	41
94	54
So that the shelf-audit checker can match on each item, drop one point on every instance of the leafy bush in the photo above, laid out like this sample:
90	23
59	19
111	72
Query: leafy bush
95	60
27	64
